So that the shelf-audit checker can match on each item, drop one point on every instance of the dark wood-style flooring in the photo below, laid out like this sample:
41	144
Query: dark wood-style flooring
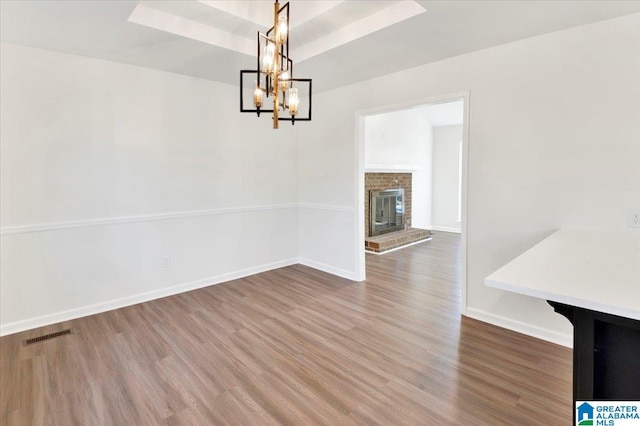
293	346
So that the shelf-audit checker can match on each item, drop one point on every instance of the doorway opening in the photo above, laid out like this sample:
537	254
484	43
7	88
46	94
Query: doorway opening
419	148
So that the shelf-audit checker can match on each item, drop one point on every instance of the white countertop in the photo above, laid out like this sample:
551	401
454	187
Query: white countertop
591	270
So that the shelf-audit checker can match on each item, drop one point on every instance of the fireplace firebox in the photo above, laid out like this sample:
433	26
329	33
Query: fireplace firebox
387	211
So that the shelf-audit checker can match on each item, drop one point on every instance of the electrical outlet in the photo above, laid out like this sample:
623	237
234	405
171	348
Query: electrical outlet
634	218
166	262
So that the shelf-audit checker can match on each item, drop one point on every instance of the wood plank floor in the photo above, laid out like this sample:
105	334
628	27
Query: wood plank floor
293	346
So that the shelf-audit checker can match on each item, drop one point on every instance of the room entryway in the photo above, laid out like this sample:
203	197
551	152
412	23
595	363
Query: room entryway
412	168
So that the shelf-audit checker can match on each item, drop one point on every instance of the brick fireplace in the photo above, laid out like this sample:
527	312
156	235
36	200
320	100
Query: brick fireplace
382	181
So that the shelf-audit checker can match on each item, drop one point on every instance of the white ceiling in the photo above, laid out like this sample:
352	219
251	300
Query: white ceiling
335	42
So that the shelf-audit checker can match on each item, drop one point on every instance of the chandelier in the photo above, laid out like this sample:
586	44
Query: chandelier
273	76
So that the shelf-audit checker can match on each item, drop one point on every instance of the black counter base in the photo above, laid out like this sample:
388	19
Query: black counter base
606	354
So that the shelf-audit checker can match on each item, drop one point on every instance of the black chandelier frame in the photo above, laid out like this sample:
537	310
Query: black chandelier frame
264	79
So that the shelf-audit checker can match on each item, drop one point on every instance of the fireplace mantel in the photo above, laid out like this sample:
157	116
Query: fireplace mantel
389	168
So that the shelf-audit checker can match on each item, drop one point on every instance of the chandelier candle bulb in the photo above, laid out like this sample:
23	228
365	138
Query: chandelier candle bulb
268	57
257	96
282	29
284	80
293	101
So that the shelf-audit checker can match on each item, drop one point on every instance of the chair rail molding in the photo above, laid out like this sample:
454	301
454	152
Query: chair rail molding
83	223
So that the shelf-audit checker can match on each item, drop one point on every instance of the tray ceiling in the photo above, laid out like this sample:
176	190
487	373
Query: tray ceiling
335	42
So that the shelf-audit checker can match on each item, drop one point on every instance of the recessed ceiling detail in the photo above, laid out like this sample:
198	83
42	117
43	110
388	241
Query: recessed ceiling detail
379	20
189	28
213	39
254	12
321	25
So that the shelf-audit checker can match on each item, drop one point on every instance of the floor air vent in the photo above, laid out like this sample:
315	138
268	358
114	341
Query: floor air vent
46	337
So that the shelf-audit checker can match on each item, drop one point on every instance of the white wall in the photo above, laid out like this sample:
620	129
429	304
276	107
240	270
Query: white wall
553	142
446	178
401	141
108	168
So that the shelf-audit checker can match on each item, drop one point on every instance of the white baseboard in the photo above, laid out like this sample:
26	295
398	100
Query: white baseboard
521	327
445	229
328	269
41	321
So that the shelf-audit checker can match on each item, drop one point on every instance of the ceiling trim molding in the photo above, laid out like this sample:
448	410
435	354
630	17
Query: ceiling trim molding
398	12
181	26
247	10
164	21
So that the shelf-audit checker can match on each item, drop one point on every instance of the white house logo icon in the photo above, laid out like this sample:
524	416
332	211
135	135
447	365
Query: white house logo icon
584	416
